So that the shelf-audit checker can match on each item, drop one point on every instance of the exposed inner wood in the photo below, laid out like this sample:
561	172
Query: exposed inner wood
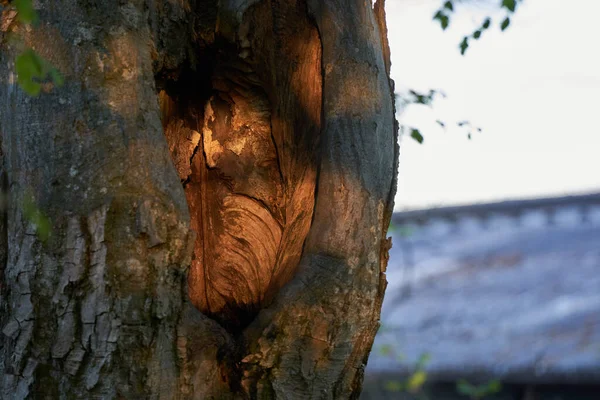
243	128
99	310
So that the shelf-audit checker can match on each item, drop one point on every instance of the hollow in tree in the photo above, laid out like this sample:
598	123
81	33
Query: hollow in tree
219	178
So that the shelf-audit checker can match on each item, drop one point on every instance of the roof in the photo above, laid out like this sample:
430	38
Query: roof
510	294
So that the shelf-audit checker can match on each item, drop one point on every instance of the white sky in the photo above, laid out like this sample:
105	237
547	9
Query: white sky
534	89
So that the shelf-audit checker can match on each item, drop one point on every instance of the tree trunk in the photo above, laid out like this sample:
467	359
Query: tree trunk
219	178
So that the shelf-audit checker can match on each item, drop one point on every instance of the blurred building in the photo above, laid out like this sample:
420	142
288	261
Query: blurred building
506	292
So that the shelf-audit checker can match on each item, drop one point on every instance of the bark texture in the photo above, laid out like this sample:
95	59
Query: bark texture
219	178
250	165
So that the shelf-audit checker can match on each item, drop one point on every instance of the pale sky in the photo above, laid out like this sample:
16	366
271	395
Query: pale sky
534	89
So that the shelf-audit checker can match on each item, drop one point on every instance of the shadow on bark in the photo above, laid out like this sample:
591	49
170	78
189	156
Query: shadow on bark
280	135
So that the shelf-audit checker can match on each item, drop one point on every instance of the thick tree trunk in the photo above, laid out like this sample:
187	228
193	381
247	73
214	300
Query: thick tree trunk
219	178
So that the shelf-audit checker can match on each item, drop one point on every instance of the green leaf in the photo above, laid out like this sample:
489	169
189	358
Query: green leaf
444	22
29	67
26	12
486	23
464	387
416	381
464	45
505	23
509	4
394	386
415	134
32	70
494	387
56	77
478	391
443	18
448	5
419	98
476	34
386	350
423	360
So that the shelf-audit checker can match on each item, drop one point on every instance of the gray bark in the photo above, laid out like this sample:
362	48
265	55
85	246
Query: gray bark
219	178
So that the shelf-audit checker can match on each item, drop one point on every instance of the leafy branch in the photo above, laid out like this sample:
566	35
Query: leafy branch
414	383
478	392
32	69
444	13
443	16
403	100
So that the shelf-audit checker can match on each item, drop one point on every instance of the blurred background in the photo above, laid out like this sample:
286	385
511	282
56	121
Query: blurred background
533	89
494	276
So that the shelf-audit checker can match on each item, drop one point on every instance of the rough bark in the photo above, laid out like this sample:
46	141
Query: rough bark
219	177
